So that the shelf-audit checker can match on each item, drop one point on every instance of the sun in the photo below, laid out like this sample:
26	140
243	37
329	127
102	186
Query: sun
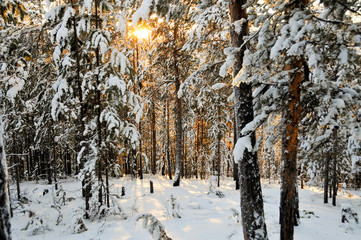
142	33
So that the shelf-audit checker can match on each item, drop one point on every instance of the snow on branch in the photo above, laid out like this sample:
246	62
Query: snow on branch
153	226
230	52
242	144
143	12
258	120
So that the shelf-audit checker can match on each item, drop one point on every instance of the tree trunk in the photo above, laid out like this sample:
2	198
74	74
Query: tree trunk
289	151
235	164
202	149
55	167
168	143
17	174
296	207
179	130
107	179
254	226
140	152
48	166
154	140
27	166
219	137
325	184
219	159
86	182
5	230
99	108
197	150
334	167
299	71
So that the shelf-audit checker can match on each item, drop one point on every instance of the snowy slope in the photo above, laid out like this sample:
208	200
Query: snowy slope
203	216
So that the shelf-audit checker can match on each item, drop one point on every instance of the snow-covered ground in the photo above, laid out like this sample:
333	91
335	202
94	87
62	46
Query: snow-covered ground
202	215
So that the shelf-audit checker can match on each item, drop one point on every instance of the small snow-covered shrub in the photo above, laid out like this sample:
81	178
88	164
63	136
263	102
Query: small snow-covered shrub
133	210
117	210
172	207
219	194
212	188
153	226
36	226
58	200
236	214
77	224
60	196
308	214
348	214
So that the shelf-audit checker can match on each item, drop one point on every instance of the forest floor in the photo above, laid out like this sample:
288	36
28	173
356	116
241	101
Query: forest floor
202	215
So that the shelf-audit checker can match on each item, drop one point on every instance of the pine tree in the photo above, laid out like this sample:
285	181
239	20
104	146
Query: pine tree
254	226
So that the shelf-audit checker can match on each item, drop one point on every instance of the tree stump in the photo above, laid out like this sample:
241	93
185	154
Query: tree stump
151	187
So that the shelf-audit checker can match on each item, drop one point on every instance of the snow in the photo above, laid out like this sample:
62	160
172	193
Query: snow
218	86
203	216
88	5
230	52
142	12
338	103
343	56
238	25
17	85
121	25
117	82
100	41
241	145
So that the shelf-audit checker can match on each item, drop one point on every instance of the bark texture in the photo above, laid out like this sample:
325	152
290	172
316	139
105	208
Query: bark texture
168	144
154	140
5	231
326	173
298	71
289	151
179	130
254	226
334	167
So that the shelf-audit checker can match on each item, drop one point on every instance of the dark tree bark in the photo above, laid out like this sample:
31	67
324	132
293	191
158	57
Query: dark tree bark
296	206
179	130
334	167
219	137
31	163
140	152
154	140
49	168
197	150
219	159
86	182
203	165
168	143
254	226
27	166
326	173
235	165
107	179
5	230
99	108
55	164
17	174
68	163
